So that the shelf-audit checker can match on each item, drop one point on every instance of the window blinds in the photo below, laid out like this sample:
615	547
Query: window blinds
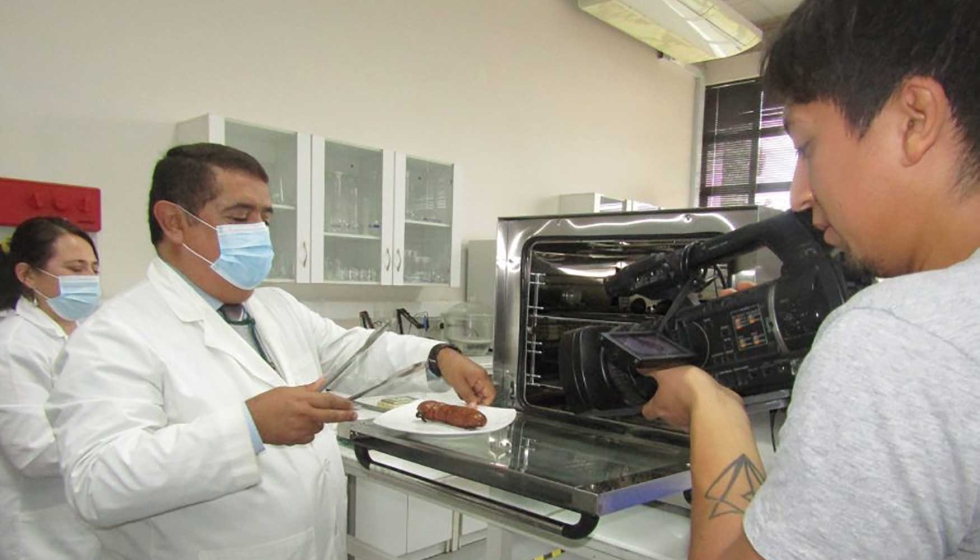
747	158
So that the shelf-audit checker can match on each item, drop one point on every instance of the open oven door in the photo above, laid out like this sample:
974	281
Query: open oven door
595	461
580	468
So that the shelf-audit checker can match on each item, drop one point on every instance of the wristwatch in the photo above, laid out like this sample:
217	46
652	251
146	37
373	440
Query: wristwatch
433	364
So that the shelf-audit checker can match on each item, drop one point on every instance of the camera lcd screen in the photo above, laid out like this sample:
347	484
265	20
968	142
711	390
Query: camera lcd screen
649	349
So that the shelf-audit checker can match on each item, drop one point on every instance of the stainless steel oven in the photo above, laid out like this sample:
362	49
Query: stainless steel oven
549	272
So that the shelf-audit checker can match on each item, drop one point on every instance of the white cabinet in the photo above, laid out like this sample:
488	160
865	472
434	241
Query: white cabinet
398	523
427	234
380	516
349	214
592	202
285	156
639	206
427	524
353	212
588	203
382	218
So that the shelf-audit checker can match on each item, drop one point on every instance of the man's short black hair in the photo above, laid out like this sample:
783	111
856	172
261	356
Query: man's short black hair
856	53
185	176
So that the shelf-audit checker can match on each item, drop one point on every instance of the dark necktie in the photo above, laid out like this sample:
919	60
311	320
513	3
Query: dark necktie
235	315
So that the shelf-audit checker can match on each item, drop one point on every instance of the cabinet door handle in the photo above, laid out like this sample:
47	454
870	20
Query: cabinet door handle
387	260
306	254
398	260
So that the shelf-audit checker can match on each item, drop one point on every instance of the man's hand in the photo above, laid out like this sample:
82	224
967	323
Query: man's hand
294	415
681	387
470	381
679	390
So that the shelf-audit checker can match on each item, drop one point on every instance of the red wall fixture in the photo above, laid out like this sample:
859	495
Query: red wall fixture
20	200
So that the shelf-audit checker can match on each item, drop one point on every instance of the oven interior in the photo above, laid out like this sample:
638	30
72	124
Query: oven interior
562	289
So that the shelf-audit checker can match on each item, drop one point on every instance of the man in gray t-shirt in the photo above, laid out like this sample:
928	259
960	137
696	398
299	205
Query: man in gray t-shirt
880	453
881	458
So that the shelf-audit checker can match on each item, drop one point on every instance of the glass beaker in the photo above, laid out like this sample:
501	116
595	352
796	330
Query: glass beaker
373	213
470	327
412	195
353	220
428	214
338	219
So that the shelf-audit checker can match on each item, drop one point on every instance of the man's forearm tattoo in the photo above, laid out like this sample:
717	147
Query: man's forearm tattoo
734	488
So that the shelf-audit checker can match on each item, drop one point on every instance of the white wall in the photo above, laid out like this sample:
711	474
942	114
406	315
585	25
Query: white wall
529	98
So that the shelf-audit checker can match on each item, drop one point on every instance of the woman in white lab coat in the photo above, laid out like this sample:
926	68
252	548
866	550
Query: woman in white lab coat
48	281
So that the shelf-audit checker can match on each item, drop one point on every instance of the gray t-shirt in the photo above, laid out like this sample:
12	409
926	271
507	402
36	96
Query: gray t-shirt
880	453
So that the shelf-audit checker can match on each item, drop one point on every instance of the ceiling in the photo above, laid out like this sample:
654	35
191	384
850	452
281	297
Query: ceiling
764	13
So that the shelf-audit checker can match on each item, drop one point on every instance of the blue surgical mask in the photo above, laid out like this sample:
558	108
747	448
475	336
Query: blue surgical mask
78	296
245	253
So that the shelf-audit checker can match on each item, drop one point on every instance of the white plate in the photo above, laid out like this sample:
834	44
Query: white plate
403	419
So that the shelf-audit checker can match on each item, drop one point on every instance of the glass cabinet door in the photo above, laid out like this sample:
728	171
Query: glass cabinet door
286	158
279	153
348	214
426	239
351	237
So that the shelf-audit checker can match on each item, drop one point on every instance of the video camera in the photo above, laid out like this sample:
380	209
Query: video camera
750	341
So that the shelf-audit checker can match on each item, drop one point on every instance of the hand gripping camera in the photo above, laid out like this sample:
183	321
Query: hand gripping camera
750	341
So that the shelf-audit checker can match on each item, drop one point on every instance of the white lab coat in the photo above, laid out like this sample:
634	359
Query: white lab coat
149	416
36	521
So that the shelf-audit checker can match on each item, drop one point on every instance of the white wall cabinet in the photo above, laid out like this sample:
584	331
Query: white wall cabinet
352	213
347	214
285	156
427	236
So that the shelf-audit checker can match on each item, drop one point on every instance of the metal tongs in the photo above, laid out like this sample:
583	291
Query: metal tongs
397	375
344	368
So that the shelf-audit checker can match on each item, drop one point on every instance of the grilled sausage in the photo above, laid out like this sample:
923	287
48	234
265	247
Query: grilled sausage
459	416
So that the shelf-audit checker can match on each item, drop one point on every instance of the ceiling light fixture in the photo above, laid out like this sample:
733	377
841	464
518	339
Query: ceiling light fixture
688	31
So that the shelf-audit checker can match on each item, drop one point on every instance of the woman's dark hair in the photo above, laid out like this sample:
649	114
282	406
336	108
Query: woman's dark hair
32	243
856	53
185	176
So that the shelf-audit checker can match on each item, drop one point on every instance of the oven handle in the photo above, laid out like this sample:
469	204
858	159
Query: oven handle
586	524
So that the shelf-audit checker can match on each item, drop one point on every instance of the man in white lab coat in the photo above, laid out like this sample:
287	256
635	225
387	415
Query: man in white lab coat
188	412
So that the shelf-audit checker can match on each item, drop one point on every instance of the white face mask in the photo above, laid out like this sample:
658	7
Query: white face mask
78	296
245	253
